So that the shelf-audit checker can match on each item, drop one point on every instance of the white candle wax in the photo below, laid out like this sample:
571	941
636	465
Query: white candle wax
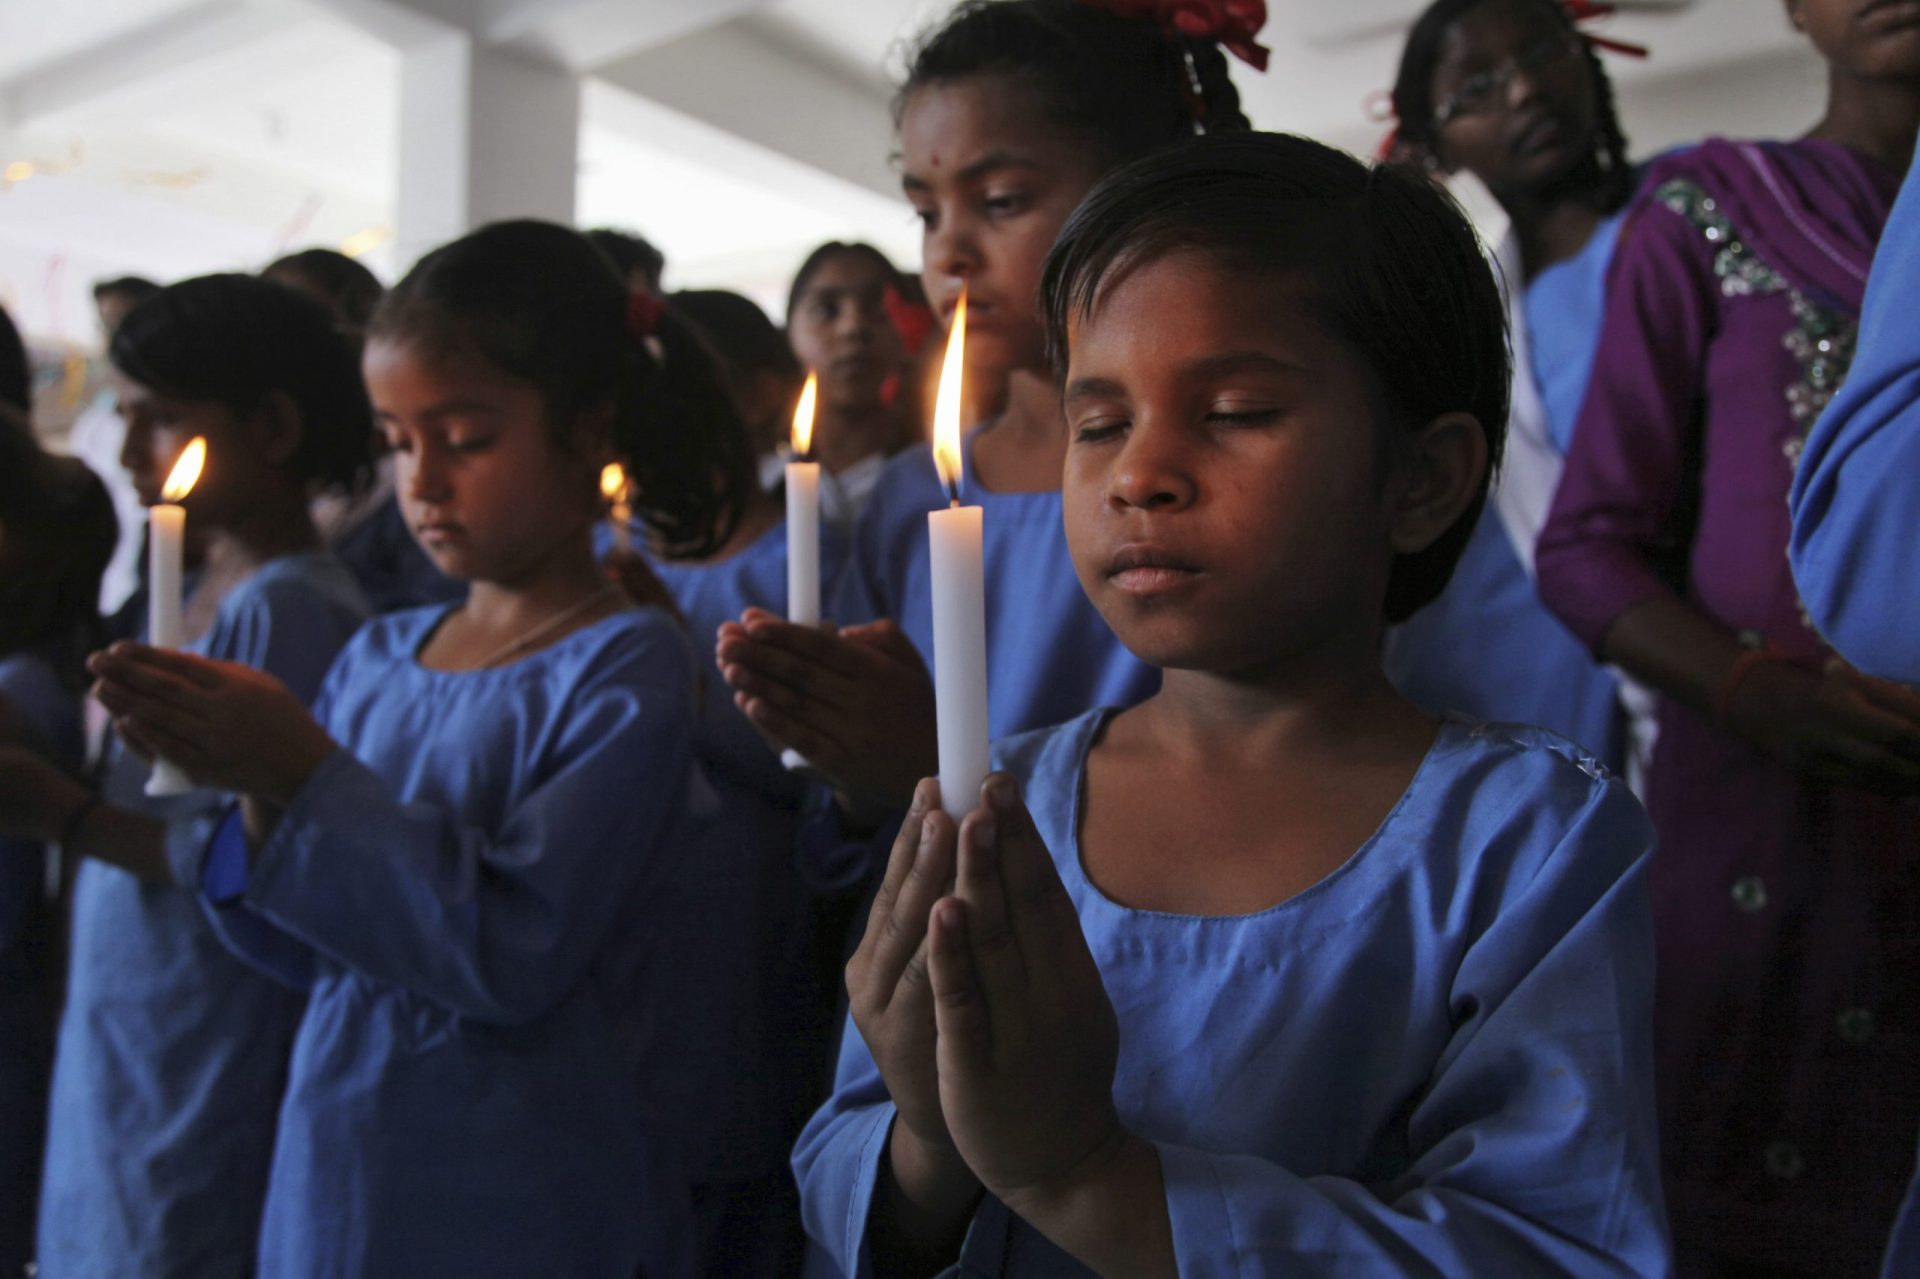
166	532
959	655
803	543
622	521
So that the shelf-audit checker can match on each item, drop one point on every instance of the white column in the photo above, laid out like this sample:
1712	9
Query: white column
485	133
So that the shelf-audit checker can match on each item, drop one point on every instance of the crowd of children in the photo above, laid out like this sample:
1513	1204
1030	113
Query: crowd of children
546	903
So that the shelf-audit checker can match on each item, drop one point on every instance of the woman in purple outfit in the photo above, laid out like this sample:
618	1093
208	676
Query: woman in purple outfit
1783	784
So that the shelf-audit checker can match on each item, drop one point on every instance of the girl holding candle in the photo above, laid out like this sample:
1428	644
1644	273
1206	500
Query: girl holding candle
172	1051
1785	786
1011	110
1272	973
482	859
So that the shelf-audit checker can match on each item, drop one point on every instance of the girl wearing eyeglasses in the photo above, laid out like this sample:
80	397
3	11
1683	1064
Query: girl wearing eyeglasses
1510	92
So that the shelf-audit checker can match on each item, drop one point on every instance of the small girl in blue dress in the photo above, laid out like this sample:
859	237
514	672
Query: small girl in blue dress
172	1051
1272	973
481	856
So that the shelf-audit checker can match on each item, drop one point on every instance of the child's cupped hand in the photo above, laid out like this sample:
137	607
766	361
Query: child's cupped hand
226	725
857	702
1027	1041
888	992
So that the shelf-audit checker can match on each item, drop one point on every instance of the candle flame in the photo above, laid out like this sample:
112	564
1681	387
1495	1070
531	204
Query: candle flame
803	416
613	481
186	471
946	405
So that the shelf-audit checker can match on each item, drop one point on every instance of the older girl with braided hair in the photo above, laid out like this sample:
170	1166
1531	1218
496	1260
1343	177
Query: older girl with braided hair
1011	110
1512	92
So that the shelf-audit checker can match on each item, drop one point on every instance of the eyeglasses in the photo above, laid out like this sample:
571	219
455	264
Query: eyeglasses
1486	93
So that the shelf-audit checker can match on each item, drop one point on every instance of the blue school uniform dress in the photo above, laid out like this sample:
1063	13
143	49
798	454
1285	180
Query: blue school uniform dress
1487	646
1856	506
49	709
512	943
172	1052
1050	655
780	1054
1437	1060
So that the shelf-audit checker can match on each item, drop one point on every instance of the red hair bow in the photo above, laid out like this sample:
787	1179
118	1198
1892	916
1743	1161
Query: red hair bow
644	310
1232	24
911	320
1588	10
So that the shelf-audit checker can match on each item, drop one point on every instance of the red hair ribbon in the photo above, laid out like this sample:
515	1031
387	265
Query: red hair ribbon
1232	24
911	320
644	310
1589	10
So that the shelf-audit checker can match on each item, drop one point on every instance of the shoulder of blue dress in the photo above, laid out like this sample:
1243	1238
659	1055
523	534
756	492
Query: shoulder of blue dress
304	577
1522	742
1051	751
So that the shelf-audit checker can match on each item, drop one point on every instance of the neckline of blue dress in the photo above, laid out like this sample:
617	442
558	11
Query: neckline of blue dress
433	622
1453	730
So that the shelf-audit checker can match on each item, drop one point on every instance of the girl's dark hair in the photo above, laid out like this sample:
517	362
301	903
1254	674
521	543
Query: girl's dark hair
134	288
540	303
631	254
236	340
337	281
743	339
1392	267
1413	103
839	248
60	534
1120	82
16	371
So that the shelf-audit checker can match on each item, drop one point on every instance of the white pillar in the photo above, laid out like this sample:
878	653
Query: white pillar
485	134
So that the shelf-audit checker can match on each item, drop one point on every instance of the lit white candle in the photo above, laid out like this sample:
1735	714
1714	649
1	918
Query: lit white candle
166	561
959	602
613	487
803	516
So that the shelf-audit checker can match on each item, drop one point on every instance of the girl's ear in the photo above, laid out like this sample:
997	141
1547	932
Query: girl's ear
1437	475
279	426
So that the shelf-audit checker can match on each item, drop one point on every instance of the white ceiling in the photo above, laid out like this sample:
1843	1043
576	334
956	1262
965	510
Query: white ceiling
173	136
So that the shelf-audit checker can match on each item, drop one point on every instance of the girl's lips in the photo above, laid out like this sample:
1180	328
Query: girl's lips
1142	569
1148	580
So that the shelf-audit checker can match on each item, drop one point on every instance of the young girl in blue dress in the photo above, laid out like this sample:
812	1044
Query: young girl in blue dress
1010	111
1272	973
172	1052
481	856
57	535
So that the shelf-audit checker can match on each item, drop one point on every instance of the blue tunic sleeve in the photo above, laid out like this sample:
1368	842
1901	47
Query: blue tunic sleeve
1856	499
498	929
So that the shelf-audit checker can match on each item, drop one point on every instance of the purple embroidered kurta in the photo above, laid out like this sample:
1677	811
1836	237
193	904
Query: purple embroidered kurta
1787	913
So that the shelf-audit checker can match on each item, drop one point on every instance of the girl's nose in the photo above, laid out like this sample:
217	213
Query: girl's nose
1151	472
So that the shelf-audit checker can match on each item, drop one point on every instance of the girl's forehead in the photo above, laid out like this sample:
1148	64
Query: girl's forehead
948	126
1492	29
